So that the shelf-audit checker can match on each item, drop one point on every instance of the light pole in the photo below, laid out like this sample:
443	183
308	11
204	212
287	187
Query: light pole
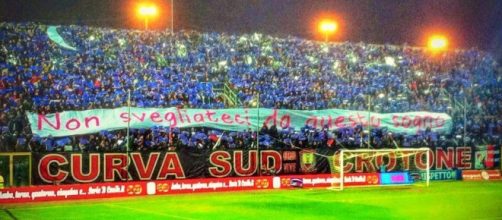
172	16
369	120
370	105
258	133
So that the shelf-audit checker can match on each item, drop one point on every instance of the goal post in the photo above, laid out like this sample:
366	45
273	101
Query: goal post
339	163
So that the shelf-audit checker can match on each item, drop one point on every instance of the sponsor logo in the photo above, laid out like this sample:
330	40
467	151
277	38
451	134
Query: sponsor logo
262	183
395	178
134	189
350	179
307	162
435	175
372	179
285	182
485	175
481	175
163	187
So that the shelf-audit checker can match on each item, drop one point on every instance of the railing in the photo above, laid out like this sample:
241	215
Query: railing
232	95
15	169
228	94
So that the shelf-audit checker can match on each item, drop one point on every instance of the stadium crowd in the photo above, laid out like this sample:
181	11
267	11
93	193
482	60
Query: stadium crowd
185	69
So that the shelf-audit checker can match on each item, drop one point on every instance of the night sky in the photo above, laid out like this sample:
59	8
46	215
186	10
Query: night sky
468	23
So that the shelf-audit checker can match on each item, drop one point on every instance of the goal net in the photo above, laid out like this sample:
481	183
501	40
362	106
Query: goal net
383	166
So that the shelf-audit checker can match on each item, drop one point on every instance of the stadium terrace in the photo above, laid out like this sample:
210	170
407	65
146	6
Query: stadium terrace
253	123
210	71
85	90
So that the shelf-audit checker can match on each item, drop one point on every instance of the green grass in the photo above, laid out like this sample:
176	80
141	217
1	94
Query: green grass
442	200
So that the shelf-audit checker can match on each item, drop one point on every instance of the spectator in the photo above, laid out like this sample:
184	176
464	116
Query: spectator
184	69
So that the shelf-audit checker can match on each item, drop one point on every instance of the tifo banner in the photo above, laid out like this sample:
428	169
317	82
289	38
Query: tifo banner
92	121
68	168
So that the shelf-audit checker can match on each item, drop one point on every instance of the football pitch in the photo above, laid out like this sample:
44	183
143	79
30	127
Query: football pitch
442	200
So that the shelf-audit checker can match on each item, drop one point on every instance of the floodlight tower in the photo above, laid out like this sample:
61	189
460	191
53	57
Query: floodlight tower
147	12
327	27
437	43
172	16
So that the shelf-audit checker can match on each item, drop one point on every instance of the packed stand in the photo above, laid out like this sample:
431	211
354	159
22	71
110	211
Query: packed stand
183	69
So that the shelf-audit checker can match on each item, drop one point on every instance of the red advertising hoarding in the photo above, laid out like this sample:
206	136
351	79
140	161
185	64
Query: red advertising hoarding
325	180
476	175
121	189
75	191
208	185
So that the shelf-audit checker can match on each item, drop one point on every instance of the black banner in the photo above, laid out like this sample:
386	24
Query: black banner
66	168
